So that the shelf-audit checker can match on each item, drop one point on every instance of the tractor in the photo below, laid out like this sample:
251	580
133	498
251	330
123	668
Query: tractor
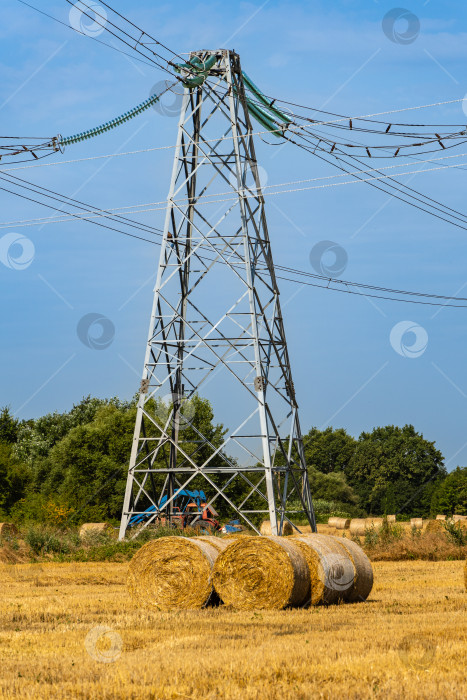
189	509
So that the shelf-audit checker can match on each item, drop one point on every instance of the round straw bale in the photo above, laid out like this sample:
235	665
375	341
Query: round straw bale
265	528
331	569
342	523
332	521
174	572
374	522
357	526
459	518
440	517
262	573
8	529
391	518
417	523
91	528
216	542
363	580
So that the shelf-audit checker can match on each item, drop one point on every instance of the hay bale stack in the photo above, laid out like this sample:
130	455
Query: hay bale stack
8	530
440	517
374	522
268	573
265	528
363	578
216	542
342	524
417	523
331	570
93	528
332	521
174	572
358	526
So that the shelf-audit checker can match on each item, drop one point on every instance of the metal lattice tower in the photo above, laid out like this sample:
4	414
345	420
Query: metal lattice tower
217	251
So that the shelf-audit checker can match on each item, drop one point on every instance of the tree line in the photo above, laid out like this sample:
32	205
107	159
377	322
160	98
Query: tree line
77	462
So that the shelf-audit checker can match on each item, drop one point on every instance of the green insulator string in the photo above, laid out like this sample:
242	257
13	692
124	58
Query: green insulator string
113	123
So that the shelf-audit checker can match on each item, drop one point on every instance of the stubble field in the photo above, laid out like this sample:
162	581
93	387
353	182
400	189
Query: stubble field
72	631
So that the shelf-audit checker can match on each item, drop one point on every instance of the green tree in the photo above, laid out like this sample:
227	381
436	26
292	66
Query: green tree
394	470
9	426
35	438
14	477
450	497
328	450
87	468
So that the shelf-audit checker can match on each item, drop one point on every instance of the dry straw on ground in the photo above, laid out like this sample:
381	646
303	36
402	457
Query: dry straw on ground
174	572
94	528
265	528
8	530
268	573
331	569
434	525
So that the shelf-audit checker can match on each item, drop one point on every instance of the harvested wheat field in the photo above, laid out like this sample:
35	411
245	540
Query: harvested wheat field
72	631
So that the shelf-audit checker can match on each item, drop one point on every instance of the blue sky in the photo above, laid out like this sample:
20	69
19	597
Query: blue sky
346	371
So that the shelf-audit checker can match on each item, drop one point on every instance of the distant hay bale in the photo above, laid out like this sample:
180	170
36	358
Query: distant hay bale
342	524
391	518
358	526
93	528
459	518
265	528
174	572
256	573
363	579
332	521
331	569
374	522
417	523
8	530
440	517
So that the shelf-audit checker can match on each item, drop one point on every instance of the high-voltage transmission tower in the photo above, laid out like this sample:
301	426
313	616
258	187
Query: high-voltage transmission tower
216	317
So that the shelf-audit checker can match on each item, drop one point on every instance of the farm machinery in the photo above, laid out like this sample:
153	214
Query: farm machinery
189	509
